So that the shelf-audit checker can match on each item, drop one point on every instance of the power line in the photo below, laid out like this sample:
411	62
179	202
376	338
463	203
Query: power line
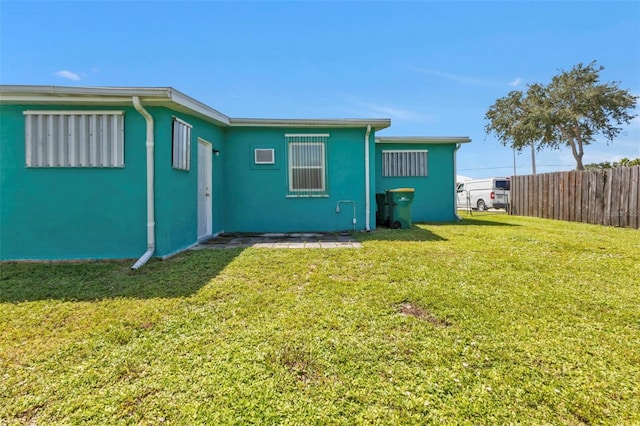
525	165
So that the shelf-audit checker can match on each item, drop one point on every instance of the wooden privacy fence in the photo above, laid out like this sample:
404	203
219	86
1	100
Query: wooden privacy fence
603	197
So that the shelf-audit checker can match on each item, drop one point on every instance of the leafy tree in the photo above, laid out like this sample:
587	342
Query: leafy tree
598	166
570	111
624	162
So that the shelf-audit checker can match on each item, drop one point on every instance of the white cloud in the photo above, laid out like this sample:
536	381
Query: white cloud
366	108
394	112
517	82
456	78
68	75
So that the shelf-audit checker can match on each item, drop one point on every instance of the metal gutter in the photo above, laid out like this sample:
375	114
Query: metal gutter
154	96
170	97
85	90
455	182
424	139
197	106
376	123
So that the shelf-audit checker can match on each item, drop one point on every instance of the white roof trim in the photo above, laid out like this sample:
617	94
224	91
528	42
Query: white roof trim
424	139
85	91
376	123
197	106
165	96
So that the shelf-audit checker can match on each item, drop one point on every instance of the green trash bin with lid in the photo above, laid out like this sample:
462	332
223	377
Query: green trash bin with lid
400	201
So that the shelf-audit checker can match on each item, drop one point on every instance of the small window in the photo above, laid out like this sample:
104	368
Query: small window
264	156
74	138
503	184
404	163
307	163
181	145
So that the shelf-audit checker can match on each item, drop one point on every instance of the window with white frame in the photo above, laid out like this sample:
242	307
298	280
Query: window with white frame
181	145
74	138
404	163
264	156
307	165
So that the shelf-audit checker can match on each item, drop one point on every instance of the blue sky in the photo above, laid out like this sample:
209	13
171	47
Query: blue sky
433	68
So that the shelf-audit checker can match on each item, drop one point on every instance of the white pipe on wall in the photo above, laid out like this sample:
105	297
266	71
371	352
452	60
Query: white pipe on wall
367	181
455	181
151	225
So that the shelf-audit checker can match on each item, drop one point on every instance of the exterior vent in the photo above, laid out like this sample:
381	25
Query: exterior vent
264	156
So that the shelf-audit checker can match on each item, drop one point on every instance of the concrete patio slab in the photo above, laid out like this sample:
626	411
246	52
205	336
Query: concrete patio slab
276	240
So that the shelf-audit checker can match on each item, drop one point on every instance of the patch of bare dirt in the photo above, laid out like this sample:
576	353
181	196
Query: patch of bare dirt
410	309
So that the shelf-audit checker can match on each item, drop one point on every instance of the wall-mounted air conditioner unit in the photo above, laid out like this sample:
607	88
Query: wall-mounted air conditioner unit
265	156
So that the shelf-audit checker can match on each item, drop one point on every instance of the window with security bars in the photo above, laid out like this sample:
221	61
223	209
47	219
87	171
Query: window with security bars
74	138
181	145
307	165
407	163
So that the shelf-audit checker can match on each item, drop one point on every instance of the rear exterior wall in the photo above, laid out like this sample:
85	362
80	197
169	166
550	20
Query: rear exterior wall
434	198
255	196
60	213
176	196
70	213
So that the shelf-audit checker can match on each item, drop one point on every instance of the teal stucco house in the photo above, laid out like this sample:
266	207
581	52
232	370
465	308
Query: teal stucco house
108	172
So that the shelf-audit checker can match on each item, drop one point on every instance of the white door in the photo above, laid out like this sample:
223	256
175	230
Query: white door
204	189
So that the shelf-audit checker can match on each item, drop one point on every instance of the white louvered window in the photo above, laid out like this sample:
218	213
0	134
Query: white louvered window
407	163
181	145
74	138
307	164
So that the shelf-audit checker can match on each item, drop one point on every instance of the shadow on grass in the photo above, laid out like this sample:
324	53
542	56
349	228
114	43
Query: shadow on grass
477	221
414	234
478	218
179	276
424	231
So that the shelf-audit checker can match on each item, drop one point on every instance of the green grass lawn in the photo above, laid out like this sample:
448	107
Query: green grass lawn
495	320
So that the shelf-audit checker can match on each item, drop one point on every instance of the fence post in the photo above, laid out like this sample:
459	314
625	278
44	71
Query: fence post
634	197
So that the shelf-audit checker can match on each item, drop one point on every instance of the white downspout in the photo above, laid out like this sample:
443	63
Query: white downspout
151	225
367	182
455	183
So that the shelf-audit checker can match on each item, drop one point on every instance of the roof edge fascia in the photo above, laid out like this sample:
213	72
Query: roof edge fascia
148	95
197	106
26	90
376	123
166	96
423	139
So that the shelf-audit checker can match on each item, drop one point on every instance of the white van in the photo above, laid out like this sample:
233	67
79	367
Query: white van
483	194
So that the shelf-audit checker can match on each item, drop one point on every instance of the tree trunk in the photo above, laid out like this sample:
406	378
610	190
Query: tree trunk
578	156
578	151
